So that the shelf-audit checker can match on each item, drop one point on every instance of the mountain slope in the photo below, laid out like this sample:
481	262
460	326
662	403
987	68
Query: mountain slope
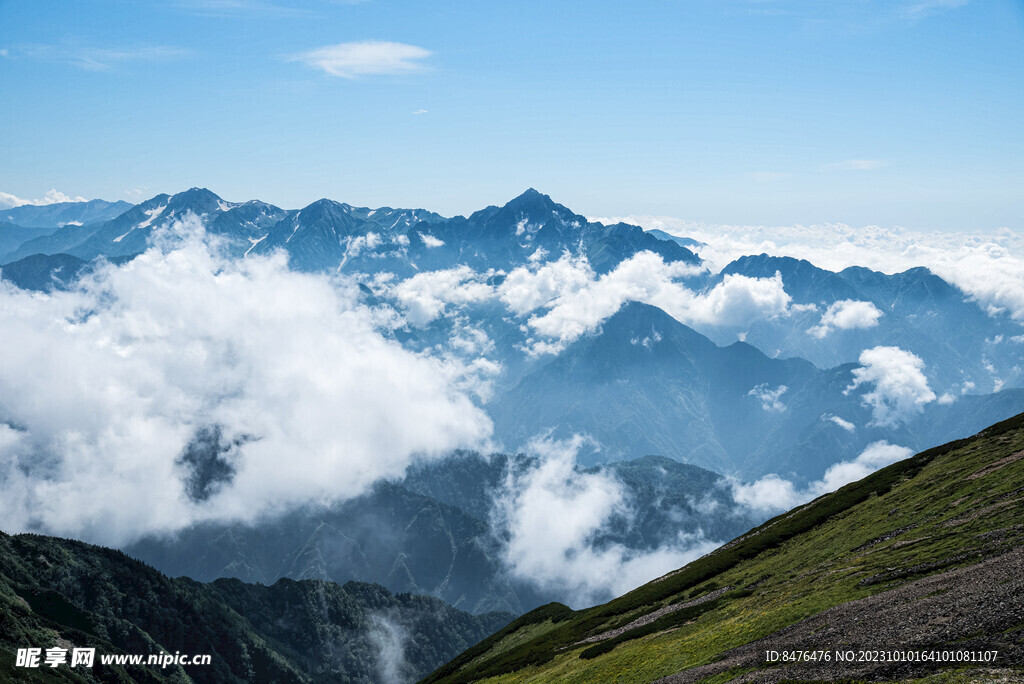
433	532
13	235
64	213
965	348
60	592
49	272
43	272
647	384
402	540
922	555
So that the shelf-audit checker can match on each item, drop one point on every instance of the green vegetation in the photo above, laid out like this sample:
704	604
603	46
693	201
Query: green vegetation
944	508
56	592
665	622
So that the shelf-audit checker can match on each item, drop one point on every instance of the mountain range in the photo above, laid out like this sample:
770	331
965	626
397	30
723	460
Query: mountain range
434	532
922	556
613	333
671	391
920	560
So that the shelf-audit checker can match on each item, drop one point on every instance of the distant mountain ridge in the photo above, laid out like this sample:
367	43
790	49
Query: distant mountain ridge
431	533
701	415
61	593
328	235
682	396
960	342
63	213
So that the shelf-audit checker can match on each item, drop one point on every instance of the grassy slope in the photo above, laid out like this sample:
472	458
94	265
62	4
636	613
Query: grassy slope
917	517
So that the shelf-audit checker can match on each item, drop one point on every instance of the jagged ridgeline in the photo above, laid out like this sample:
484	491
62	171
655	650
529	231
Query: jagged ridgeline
923	555
57	593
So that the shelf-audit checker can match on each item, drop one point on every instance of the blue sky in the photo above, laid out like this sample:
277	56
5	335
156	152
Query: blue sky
905	112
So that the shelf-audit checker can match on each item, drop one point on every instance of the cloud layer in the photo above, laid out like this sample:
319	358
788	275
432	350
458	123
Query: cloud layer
281	382
562	300
552	515
987	266
54	196
773	494
365	58
567	299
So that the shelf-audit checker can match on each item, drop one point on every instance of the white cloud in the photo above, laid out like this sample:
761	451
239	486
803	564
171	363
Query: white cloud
107	384
425	295
900	386
855	165
563	557
772	493
8	200
354	246
647	341
877	455
525	289
369	57
431	241
737	301
418	112
845	424
577	301
846	314
91	58
987	266
769	398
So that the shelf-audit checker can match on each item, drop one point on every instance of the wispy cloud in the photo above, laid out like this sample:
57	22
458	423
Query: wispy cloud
92	58
770	398
222	8
365	58
923	8
766	176
855	165
420	111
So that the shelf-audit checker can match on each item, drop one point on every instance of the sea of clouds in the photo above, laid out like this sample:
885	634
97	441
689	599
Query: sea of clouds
307	396
103	387
988	266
